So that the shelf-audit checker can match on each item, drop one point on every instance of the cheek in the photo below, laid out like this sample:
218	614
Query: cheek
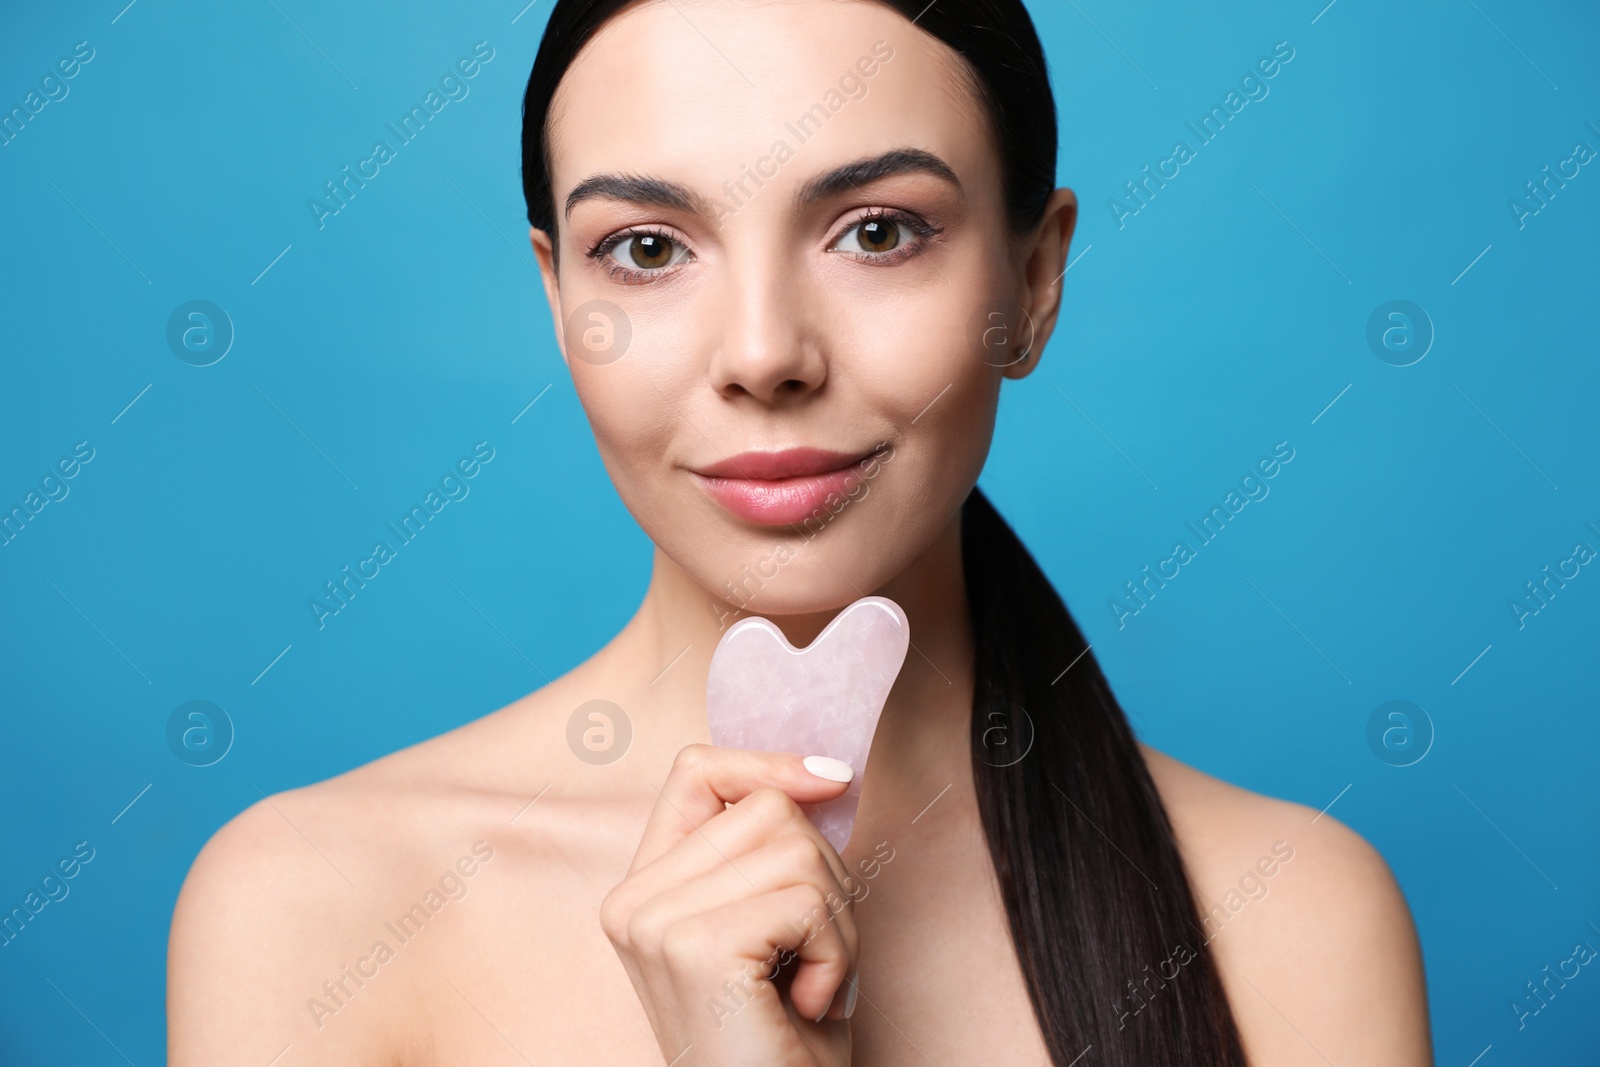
953	436
895	353
919	361
906	347
915	362
631	422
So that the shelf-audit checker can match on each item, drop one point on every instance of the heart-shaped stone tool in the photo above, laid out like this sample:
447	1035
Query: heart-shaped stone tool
821	700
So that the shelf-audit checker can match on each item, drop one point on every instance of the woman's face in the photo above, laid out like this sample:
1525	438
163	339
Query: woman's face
781	227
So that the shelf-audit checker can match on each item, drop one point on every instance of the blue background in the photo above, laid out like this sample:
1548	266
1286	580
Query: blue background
1225	316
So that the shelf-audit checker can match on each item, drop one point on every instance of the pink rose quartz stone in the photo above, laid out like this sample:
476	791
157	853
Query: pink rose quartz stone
766	695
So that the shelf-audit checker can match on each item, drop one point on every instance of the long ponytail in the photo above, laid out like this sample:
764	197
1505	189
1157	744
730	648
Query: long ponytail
1100	910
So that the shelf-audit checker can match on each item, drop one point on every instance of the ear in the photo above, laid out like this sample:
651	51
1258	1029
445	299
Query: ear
1043	275
544	252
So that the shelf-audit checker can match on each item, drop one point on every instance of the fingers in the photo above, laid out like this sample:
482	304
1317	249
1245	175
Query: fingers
764	816
730	881
754	930
705	779
790	861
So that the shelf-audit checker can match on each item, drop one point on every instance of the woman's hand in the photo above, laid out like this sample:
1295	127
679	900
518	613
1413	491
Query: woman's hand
719	896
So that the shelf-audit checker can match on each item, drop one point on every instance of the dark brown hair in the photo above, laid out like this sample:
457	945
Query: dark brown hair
1102	917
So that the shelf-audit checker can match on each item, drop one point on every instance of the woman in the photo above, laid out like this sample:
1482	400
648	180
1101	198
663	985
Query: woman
793	249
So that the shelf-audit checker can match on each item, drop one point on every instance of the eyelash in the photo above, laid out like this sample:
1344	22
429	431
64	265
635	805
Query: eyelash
923	232
628	275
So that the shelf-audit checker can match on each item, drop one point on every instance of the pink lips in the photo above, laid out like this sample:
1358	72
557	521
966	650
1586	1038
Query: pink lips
780	488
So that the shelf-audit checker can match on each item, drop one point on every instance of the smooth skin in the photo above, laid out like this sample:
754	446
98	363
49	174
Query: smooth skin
620	903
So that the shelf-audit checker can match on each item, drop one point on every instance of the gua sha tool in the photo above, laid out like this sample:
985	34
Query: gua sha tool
822	700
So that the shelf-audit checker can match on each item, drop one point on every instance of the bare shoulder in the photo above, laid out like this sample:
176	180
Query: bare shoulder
294	906
1309	928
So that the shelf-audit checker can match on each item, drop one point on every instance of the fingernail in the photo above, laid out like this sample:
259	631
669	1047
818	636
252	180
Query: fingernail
827	767
850	997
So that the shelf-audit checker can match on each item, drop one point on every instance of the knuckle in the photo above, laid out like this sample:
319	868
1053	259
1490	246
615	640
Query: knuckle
800	852
852	939
646	929
769	804
615	911
815	901
692	759
682	943
803	826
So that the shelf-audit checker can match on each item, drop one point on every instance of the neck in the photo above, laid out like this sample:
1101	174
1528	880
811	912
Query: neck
922	734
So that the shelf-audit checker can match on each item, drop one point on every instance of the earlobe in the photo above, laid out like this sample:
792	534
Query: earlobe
1045	274
1029	341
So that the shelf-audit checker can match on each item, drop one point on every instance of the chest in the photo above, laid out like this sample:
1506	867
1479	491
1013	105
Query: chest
532	978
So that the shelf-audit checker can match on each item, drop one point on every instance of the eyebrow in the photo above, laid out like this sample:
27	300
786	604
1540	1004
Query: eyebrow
635	190
898	161
656	192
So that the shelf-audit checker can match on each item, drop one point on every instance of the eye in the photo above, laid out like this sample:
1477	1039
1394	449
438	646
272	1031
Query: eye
645	251
885	235
875	234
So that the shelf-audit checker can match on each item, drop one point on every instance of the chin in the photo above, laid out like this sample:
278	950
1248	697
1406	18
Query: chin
809	570
803	581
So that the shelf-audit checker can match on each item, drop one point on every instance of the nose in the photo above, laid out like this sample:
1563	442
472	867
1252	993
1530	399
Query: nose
764	347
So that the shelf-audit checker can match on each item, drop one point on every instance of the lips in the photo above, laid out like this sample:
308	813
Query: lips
781	488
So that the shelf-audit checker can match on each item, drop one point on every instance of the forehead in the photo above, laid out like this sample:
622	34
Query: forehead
699	90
